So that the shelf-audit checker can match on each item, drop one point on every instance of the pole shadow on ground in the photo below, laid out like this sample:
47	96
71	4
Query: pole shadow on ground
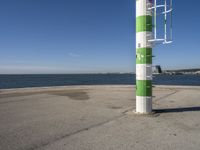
174	110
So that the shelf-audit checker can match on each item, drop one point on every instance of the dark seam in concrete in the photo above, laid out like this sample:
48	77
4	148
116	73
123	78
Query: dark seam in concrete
27	93
15	101
11	95
76	132
155	101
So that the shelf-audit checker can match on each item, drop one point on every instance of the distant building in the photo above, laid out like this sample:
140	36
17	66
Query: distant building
197	72
157	69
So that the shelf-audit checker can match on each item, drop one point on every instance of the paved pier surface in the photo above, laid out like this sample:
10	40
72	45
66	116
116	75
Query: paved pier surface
98	118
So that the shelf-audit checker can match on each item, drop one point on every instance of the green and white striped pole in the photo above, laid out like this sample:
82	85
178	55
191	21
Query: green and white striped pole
143	57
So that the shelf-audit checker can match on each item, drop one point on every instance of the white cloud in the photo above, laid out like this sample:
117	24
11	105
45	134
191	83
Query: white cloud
74	55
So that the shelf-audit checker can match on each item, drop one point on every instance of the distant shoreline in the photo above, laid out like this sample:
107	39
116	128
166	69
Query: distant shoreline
48	80
169	72
68	74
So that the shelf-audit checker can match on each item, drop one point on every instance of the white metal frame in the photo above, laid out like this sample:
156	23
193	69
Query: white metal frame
165	39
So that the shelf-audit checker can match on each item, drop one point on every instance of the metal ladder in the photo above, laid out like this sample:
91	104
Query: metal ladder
167	11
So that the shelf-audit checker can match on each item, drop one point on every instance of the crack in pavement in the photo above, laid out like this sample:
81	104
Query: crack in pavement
165	96
37	147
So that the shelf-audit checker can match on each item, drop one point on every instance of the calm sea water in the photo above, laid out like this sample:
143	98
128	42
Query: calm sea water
21	81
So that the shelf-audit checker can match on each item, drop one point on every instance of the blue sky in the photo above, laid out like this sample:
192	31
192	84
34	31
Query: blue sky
90	36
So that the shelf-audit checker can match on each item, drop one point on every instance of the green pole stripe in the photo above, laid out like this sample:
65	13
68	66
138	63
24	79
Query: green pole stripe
144	56
144	23
144	88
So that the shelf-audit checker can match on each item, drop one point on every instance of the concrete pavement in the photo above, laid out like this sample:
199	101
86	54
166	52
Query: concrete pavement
98	118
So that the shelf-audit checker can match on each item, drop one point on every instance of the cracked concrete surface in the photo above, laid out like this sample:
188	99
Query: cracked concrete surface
95	117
